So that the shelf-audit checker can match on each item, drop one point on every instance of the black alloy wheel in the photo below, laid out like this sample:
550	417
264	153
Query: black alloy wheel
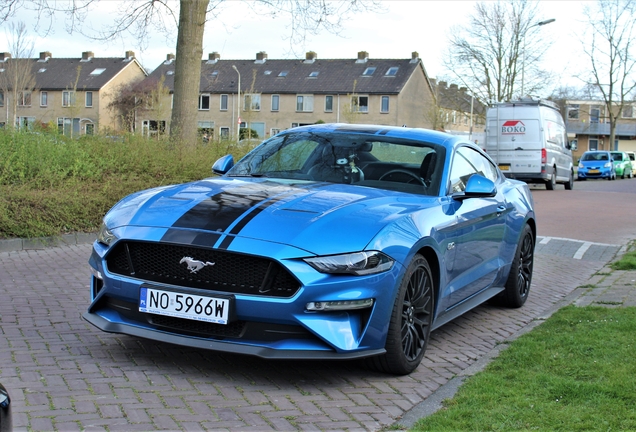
517	286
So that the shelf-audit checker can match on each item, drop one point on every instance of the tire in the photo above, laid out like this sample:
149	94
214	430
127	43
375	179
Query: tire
552	183
570	183
517	285
411	319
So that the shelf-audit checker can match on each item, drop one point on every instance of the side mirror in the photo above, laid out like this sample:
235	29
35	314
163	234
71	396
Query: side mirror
223	165
477	186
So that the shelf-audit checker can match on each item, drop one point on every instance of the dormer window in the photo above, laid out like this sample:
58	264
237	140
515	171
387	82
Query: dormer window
98	71
392	71
283	74
368	71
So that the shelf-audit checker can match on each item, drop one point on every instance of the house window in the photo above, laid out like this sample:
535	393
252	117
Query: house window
328	103
204	102
628	111
368	71
68	98
392	71
89	129
25	123
275	102
224	99
68	126
89	99
454	118
252	102
98	71
314	74
44	98
283	74
573	112
1	99
595	114
385	104
153	127
274	131
360	104
225	132
305	103
24	98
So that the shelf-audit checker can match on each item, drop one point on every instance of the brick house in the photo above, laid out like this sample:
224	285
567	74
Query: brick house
280	94
588	122
71	94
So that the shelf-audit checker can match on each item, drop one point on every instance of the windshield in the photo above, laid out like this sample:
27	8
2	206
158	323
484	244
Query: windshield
595	157
351	158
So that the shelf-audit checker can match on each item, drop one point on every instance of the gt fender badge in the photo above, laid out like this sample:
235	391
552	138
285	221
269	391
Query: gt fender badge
195	265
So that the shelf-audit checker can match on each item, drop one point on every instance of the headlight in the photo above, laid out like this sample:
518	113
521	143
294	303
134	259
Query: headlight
608	165
581	166
357	263
105	235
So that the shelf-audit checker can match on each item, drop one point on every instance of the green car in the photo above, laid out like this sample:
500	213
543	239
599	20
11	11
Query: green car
622	164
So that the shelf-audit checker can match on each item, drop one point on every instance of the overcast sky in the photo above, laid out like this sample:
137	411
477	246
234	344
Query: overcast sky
404	27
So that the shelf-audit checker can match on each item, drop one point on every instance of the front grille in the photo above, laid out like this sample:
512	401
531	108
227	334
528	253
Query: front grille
231	272
232	330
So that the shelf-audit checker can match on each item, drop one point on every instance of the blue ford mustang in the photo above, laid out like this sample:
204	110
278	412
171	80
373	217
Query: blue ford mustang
329	241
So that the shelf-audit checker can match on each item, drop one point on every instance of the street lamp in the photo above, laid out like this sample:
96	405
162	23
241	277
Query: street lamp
523	63
238	105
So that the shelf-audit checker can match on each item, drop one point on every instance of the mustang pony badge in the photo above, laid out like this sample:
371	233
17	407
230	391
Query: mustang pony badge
195	265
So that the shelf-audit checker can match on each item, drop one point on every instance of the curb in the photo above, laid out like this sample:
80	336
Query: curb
19	244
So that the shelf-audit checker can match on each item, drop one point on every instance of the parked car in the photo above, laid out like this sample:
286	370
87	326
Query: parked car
330	241
596	164
632	160
5	410
622	164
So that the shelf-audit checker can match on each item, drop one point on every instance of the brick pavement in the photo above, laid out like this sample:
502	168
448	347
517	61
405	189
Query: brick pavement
63	374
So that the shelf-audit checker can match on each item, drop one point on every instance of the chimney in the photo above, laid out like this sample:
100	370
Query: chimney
130	54
453	87
4	56
169	59
44	56
310	57
213	57
87	56
261	57
363	56
442	84
415	57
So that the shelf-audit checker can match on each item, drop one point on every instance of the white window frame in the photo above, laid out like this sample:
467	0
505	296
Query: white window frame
274	131
224	133
275	102
575	109
385	107
88	103
630	111
251	102
304	103
202	97
68	98
24	98
44	99
223	102
327	108
357	106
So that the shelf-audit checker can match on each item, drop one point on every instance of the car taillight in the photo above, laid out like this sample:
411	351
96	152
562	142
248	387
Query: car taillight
544	156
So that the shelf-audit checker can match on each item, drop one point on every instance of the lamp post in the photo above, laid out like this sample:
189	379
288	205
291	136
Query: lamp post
523	63
238	106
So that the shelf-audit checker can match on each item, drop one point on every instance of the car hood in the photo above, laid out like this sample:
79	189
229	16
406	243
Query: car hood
319	218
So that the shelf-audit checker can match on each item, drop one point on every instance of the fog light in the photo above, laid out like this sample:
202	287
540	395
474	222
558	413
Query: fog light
339	305
96	273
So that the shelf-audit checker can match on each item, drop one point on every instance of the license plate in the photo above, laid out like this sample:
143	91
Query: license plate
593	171
182	305
504	167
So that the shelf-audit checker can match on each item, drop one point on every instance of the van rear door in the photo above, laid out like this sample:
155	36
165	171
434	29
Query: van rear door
515	143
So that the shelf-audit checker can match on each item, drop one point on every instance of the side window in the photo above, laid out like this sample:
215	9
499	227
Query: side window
466	163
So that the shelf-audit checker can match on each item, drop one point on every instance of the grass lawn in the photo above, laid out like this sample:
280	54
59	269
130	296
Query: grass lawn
575	372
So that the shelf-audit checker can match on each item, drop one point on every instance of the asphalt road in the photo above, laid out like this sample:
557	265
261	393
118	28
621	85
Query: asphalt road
63	374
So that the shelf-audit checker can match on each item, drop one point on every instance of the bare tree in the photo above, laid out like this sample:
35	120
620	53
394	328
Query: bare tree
609	45
17	81
499	48
305	17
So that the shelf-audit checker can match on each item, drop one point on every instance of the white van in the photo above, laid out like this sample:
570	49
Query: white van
528	140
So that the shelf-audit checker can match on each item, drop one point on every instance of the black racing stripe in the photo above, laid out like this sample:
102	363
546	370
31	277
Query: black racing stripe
249	217
197	238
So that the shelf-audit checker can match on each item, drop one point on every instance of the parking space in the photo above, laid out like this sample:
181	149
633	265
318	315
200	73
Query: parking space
63	374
